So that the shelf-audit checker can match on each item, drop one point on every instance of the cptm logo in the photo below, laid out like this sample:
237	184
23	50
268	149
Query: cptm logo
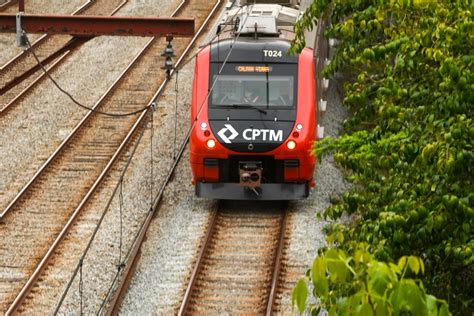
233	133
250	134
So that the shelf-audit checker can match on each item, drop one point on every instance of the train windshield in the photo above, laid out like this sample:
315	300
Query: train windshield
260	85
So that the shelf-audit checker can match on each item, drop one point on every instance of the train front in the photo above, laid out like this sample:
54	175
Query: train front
254	115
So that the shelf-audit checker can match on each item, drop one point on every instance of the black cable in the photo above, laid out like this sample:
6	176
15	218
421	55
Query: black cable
46	72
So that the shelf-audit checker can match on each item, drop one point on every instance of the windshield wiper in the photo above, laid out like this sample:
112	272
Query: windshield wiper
248	106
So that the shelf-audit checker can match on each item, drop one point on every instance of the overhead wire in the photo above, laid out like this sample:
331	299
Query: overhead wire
75	101
69	95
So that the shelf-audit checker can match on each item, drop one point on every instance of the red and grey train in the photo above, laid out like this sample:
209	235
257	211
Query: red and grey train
254	111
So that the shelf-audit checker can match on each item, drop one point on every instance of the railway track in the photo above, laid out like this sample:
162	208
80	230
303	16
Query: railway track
7	5
238	267
38	218
20	74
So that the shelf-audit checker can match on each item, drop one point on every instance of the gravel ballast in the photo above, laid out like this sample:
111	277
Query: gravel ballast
180	218
34	128
99	267
175	234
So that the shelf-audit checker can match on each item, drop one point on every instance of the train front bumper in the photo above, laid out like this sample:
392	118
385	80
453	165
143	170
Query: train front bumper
266	192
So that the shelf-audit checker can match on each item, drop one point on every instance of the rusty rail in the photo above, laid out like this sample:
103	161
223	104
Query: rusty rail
185	304
197	266
72	44
44	261
33	278
7	4
133	258
74	132
277	265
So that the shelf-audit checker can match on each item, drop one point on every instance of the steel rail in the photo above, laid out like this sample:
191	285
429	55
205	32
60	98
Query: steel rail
132	259
75	130
45	36
7	4
79	125
44	261
70	45
277	264
276	270
31	281
197	266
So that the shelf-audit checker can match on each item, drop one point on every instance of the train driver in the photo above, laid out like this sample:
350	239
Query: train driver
249	97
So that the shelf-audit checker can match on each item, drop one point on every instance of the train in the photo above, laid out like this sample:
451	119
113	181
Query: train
254	108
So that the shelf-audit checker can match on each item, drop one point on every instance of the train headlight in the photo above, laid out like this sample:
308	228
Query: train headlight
291	144
299	127
211	143
203	125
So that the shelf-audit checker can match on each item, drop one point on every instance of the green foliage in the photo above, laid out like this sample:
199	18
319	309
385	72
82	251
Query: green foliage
299	295
409	143
361	285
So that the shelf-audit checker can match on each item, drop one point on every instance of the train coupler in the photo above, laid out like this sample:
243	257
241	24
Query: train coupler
250	175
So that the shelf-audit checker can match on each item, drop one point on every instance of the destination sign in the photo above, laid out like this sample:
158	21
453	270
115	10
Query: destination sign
253	68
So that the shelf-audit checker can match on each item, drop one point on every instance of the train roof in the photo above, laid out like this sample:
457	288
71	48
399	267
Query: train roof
259	21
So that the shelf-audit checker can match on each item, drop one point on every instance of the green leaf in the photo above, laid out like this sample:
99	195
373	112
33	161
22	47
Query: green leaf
444	310
381	309
407	297
402	262
395	268
336	265
406	71
299	295
380	279
432	306
422	265
319	268
319	278
414	265
366	310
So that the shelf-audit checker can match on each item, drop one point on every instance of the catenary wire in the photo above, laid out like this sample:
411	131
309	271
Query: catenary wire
69	95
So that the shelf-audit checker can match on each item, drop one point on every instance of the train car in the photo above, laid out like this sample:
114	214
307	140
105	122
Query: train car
253	109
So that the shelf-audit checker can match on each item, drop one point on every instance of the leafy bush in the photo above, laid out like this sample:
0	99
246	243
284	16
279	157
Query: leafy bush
361	285
409	143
